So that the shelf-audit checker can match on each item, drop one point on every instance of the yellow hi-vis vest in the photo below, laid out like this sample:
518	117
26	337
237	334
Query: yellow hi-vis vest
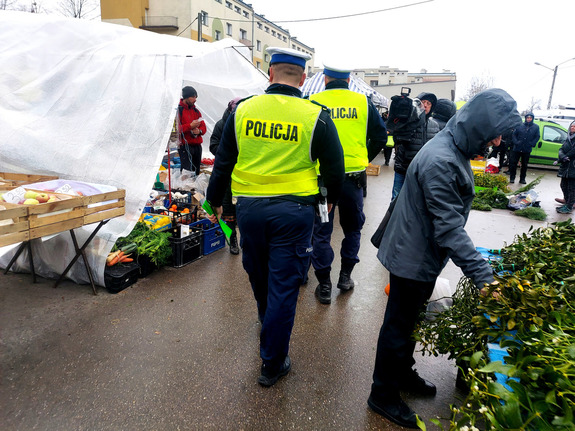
349	112
274	134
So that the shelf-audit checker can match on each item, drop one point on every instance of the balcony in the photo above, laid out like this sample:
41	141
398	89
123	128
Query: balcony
246	42
159	22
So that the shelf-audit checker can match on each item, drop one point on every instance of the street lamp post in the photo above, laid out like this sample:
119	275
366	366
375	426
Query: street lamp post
554	70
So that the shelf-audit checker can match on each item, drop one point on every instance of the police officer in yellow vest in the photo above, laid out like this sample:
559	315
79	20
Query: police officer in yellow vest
362	134
270	147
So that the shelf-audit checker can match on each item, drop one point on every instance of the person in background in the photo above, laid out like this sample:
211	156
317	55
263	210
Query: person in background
270	147
408	145
363	135
388	149
191	127
524	138
444	110
567	172
425	230
502	151
228	206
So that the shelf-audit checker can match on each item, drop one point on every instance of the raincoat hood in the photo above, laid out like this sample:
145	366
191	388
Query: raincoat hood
486	116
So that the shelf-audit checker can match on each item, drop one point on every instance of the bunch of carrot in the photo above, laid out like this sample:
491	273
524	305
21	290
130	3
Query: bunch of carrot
118	257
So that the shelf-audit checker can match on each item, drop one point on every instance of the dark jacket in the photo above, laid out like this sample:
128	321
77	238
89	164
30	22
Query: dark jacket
526	136
567	157
217	133
325	147
426	228
411	139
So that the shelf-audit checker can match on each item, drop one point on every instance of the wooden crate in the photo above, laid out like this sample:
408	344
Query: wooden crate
55	217
373	169
103	206
10	180
13	223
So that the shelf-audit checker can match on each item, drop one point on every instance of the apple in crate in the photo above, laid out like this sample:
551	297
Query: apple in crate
42	197
31	202
30	194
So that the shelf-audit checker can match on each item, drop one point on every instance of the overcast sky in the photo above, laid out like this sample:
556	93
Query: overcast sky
494	39
501	39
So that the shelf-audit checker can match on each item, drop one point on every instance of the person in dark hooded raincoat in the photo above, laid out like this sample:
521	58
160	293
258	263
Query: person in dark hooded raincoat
425	230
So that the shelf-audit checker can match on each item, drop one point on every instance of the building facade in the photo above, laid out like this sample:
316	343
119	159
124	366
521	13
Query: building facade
208	21
388	81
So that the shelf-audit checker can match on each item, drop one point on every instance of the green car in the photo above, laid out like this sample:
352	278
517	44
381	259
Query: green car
552	136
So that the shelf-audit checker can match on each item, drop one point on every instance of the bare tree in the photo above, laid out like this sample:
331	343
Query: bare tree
477	85
87	9
17	5
533	105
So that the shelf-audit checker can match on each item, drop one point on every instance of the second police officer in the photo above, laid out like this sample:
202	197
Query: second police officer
362	134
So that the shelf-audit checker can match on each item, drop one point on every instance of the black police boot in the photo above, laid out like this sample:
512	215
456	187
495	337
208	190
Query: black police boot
345	282
234	248
323	292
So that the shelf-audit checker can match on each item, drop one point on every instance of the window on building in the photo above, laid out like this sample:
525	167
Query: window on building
293	46
267	29
218	35
246	14
258	65
373	83
243	34
238	9
228	29
259	45
285	39
267	58
273	32
219	1
260	25
229	4
204	18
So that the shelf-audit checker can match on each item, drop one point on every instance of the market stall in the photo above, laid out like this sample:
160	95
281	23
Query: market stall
95	102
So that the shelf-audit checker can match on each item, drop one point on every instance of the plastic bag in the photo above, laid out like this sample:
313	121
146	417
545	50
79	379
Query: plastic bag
440	300
523	200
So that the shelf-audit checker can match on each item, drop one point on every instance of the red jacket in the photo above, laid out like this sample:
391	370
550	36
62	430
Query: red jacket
187	114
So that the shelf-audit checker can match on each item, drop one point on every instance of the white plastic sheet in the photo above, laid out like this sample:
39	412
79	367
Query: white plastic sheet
95	102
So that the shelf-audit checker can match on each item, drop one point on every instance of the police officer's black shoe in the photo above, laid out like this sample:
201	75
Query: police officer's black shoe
234	248
345	282
323	292
269	378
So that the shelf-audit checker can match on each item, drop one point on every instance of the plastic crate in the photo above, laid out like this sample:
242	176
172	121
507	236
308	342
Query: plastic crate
121	276
213	236
187	249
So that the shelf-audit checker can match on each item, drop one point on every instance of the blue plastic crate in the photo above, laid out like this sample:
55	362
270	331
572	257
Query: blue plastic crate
213	236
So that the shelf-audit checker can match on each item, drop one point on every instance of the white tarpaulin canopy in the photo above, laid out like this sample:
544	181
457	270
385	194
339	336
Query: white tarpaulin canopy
95	102
316	83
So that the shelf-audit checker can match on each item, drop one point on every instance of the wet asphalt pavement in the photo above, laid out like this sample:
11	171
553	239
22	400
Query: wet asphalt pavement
178	350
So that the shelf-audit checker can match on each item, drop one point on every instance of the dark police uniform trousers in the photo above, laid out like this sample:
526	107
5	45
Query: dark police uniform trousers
276	246
351	217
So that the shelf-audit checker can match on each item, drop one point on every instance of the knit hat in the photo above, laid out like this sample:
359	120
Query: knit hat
189	92
444	110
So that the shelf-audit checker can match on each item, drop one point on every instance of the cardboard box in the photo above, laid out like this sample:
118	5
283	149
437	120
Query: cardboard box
373	169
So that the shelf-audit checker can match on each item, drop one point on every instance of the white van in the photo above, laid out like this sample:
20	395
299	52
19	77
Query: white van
564	116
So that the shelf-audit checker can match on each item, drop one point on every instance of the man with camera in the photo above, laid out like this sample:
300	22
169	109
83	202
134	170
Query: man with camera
411	129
